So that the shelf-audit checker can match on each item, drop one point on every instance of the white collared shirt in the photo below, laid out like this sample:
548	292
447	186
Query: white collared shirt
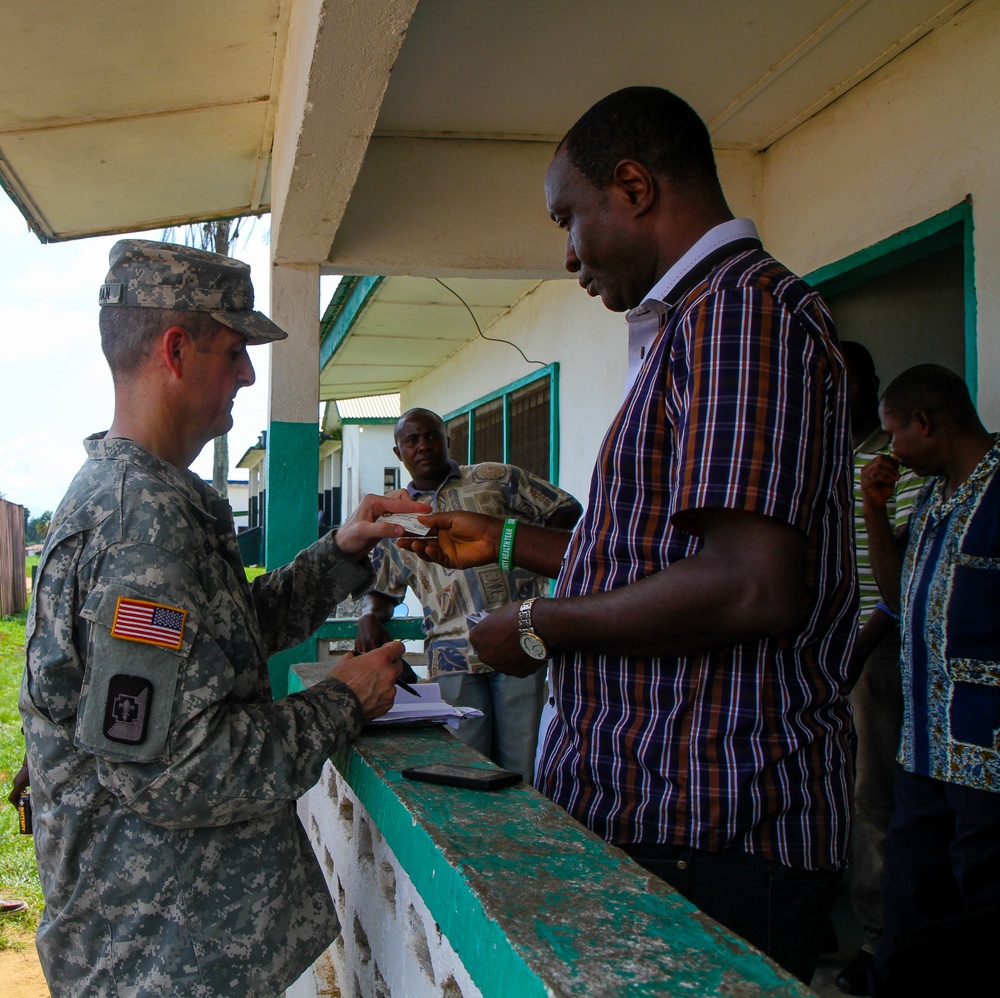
645	319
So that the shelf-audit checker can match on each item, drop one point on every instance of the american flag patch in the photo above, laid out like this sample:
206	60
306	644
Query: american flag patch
150	623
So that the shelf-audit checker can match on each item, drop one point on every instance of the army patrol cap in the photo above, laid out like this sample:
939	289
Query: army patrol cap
166	275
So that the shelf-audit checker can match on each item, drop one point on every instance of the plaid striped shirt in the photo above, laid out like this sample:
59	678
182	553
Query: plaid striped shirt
740	403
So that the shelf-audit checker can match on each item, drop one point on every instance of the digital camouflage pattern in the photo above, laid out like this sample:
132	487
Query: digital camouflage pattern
447	595
148	274
170	855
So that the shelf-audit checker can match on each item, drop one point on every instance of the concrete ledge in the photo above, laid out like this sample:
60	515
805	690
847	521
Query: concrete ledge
533	903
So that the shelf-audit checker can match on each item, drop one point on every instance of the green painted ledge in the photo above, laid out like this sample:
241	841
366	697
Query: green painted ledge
345	629
532	902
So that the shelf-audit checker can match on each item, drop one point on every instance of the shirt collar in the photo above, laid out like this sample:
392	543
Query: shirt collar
713	240
201	495
646	320
874	443
453	472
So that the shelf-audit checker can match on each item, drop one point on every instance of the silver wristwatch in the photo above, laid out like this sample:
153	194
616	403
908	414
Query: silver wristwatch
531	644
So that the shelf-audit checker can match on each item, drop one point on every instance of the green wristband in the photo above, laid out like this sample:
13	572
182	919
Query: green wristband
507	543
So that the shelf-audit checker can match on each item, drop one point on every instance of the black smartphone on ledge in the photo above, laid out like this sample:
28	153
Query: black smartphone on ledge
470	777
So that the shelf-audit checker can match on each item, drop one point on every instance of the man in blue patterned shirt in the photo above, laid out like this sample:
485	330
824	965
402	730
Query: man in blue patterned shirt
943	847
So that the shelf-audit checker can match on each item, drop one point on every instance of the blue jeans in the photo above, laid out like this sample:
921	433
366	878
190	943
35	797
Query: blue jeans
511	706
781	911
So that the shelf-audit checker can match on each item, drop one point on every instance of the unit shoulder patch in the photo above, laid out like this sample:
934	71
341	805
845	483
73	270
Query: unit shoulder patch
149	623
126	711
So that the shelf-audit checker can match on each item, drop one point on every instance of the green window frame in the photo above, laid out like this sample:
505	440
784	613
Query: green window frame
503	395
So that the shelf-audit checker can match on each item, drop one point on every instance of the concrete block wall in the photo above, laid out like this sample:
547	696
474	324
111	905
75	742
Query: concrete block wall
453	892
390	945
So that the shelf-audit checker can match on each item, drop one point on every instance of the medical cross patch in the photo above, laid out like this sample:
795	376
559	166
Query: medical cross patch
126	711
150	623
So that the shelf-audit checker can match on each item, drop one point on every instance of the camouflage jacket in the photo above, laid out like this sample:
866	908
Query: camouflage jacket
163	777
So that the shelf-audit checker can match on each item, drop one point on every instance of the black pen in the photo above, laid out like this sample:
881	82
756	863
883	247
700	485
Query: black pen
406	686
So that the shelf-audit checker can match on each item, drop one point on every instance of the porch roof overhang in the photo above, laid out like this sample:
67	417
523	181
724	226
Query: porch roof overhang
392	138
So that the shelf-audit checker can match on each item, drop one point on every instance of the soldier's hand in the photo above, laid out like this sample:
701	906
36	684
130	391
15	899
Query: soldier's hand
362	530
460	539
21	783
878	481
372	676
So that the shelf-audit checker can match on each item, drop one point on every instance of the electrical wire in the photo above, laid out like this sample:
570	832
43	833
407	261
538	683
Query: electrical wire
479	329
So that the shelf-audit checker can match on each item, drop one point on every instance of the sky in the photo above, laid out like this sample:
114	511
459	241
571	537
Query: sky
55	387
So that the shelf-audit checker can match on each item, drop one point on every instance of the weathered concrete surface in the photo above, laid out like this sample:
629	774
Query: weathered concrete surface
532	902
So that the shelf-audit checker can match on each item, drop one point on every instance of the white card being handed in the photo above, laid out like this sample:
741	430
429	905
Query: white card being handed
408	521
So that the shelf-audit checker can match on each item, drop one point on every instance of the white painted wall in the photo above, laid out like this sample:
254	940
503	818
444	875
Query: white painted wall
558	322
239	501
907	144
367	453
389	942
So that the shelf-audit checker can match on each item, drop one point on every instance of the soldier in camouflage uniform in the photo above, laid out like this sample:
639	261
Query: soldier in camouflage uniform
164	778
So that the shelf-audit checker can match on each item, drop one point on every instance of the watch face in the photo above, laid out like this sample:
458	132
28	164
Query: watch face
533	646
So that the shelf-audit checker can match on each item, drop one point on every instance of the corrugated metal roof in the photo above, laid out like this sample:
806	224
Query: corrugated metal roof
372	407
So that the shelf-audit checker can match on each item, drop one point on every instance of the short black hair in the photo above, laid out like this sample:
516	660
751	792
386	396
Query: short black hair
128	333
933	389
649	125
857	355
417	411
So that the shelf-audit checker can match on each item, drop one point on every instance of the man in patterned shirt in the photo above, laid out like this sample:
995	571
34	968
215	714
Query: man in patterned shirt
511	705
164	778
942	864
707	604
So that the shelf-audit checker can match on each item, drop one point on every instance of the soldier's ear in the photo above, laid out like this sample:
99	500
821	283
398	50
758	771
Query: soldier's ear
173	348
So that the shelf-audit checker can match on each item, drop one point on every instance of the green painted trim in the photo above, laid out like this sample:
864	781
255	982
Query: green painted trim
554	425
471	438
503	874
348	302
370	421
952	227
505	425
346	628
552	372
291	477
971	309
505	390
895	251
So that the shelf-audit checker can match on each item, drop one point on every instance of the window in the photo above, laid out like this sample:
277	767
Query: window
390	479
487	432
515	425
529	426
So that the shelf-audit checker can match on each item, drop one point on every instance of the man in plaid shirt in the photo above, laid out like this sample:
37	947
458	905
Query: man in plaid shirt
706	603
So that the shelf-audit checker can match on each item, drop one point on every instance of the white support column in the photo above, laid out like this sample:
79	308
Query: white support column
293	430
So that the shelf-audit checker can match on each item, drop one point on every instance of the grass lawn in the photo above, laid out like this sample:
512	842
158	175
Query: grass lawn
18	877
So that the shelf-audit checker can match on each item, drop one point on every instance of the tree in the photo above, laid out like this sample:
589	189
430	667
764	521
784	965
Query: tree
216	236
38	528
